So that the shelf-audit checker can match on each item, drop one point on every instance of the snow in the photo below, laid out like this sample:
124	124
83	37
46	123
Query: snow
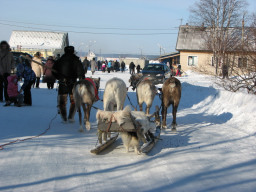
213	150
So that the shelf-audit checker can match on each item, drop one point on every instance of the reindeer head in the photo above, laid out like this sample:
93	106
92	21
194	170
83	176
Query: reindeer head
97	82
134	79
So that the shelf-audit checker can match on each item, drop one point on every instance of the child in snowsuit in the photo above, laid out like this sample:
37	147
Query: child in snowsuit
12	90
103	67
25	71
48	76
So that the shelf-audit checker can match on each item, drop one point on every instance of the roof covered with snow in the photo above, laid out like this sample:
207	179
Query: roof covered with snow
191	38
38	39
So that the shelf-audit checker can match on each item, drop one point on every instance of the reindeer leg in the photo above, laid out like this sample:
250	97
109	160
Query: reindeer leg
88	111
174	111
164	111
140	105
80	120
148	109
100	136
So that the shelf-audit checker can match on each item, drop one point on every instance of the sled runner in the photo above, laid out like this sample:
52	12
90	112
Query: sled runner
135	123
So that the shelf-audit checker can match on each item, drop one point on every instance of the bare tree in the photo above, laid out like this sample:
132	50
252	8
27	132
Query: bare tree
244	69
220	17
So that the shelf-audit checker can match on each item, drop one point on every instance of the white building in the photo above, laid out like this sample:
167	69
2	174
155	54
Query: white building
48	43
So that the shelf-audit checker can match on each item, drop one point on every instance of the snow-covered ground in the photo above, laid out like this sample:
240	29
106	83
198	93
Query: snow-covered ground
213	150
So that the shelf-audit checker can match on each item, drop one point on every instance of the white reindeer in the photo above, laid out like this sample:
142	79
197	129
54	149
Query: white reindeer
114	94
114	97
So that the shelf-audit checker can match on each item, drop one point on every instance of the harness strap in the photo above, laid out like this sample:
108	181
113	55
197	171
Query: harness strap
94	86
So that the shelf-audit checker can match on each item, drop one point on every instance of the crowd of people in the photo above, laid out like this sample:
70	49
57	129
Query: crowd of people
109	66
30	69
66	69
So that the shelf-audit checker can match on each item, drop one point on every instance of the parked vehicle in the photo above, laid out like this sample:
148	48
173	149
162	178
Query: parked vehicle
160	71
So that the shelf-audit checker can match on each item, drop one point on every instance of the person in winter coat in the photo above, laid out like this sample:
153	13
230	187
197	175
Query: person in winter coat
13	93
103	67
6	66
93	65
48	76
225	71
37	68
24	70
132	67
109	66
86	64
138	68
67	69
99	65
122	66
178	72
116	66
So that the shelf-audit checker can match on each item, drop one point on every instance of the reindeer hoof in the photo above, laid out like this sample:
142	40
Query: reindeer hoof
164	127
88	126
81	130
174	130
174	125
71	120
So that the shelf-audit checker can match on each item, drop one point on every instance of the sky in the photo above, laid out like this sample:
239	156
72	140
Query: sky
104	26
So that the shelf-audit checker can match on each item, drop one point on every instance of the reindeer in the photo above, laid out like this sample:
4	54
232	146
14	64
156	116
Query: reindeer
134	80
171	93
114	97
145	90
114	94
85	94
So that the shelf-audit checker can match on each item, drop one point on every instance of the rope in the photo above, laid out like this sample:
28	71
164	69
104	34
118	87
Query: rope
20	140
131	103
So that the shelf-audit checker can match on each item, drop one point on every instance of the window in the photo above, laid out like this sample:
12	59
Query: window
242	62
192	60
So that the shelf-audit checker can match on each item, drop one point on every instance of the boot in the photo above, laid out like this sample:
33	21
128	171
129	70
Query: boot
72	109
62	106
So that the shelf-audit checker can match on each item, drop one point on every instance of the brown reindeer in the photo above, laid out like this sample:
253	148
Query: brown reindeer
171	93
134	80
85	95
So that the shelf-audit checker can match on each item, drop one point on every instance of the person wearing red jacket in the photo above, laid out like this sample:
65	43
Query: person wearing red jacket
13	93
48	76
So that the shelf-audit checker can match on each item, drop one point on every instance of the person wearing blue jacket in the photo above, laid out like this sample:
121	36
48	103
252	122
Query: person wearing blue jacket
24	70
109	66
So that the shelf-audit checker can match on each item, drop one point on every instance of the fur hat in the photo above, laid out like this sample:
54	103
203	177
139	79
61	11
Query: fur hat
38	54
69	49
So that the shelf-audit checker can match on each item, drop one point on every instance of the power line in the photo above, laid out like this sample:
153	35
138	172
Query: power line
87	32
100	28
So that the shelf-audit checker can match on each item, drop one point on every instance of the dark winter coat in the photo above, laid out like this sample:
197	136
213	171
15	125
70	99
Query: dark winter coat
86	64
122	65
67	69
6	62
131	66
138	68
24	71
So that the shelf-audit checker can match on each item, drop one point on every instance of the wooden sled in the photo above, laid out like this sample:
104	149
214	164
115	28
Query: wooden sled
129	125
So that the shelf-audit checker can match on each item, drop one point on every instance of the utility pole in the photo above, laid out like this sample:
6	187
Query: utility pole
181	19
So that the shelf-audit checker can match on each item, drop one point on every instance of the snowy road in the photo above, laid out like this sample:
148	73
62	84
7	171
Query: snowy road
213	150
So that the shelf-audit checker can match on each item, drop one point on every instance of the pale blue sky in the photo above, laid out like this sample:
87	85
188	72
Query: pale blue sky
122	14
